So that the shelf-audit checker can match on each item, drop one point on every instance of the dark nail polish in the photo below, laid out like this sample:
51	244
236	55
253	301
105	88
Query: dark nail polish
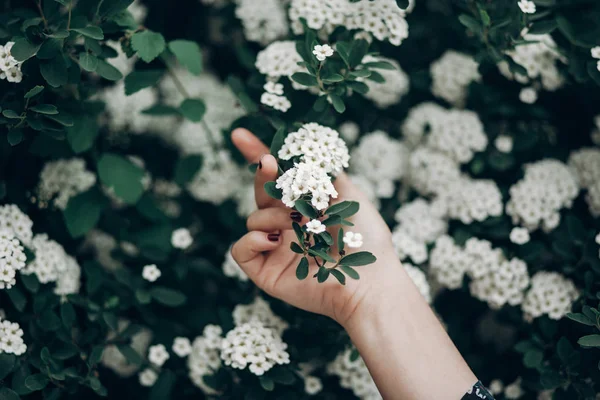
273	237
296	216
260	165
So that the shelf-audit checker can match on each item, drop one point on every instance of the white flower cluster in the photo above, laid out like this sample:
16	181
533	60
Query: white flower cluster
585	166
494	279
470	200
103	245
255	347
452	74
353	240
259	310
204	358
53	264
231	268
419	279
10	69
595	51
303	179
432	173
383	18
114	360
381	160
219	178
407	246
536	200
15	220
456	133
550	294
11	338
64	179
273	97
390	92
318	145
263	20
538	56
354	375
279	59
12	258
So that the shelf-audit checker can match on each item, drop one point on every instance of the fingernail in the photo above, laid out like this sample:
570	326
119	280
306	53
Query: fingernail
296	216
273	237
260	165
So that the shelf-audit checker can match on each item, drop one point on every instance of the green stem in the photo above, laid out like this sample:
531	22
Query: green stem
38	3
70	12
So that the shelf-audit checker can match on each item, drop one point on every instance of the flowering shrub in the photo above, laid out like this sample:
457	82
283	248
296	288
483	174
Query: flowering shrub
473	125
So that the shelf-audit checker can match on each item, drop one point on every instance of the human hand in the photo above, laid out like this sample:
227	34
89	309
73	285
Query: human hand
264	253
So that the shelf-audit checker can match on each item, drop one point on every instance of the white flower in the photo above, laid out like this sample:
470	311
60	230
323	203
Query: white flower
151	273
315	226
182	346
204	358
504	143
64	179
354	375
312	385
519	235
258	310
263	20
514	390
280	103
274	88
595	51
349	131
496	386
451	76
598	239
353	240
526	6
158	354
528	95
396	85
148	377
181	238
11	338
322	51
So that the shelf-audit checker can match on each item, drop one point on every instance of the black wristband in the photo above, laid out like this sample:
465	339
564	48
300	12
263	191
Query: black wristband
478	392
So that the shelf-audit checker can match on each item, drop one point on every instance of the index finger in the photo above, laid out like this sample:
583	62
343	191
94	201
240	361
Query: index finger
249	145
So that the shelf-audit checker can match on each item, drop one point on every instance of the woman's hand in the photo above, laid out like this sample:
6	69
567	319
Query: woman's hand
264	253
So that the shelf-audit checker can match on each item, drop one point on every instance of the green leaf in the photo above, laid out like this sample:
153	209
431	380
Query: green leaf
358	259
121	176
107	71
111	320
163	387
582	319
188	54
148	44
186	169
266	383
361	73
337	102
321	254
380	65
543	27
338	275
7	363
82	135
83	212
470	22
11	114
238	89
17	297
14	137
376	77
298	231
589	341
138	80
322	275
296	248
533	358
332	78
278	140
358	51
8	394
132	356
48	109
192	109
333	220
304	79
272	191
33	92
54	71
351	272
343	49
305	209
302	269
88	62
92	32
36	382
345	209
67	314
23	49
168	297
340	240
